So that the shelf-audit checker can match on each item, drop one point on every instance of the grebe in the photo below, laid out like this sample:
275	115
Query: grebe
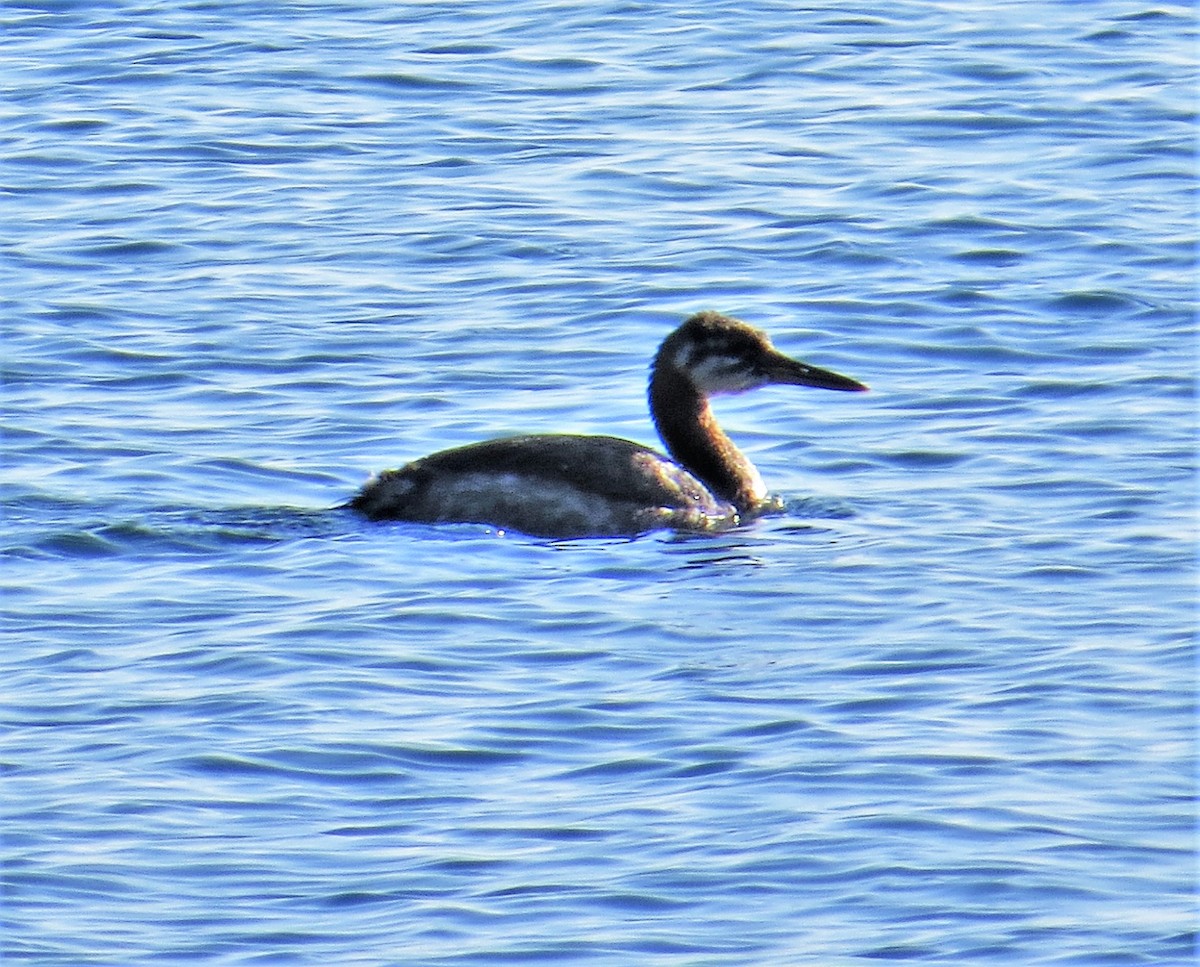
565	485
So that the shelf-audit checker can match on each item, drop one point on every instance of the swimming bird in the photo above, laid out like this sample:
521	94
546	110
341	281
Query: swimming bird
567	485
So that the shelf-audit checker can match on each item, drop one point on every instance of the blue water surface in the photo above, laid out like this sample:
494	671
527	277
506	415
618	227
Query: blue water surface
941	711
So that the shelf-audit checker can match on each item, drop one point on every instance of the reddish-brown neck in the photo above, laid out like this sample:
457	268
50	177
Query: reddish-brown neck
689	429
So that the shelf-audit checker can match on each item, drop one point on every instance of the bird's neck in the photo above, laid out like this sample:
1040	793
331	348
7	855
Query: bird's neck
686	423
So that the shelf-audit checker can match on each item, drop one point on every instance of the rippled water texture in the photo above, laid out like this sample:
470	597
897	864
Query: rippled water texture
941	711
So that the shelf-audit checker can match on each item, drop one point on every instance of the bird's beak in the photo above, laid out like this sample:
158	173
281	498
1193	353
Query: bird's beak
792	372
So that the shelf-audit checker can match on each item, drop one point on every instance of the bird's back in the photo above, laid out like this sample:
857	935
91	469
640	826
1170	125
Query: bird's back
554	485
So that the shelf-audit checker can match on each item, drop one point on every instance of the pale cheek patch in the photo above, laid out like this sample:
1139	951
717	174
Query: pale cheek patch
682	360
724	374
